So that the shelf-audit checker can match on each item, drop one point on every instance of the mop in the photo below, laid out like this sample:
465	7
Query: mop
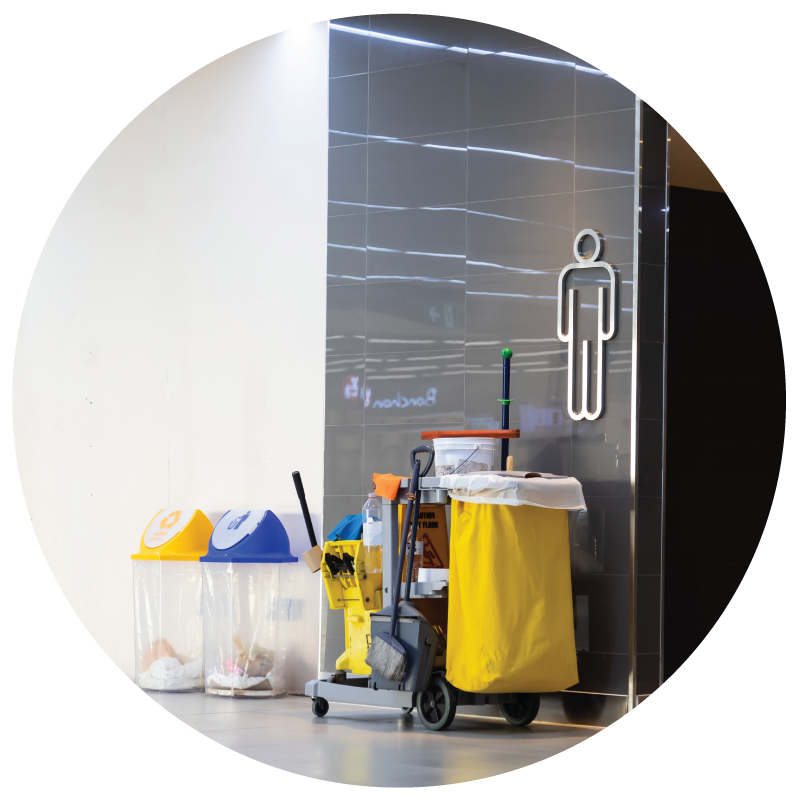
386	655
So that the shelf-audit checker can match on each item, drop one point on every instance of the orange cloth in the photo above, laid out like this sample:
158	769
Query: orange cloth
387	485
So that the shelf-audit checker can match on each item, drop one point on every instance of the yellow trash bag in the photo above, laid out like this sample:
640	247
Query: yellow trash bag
510	600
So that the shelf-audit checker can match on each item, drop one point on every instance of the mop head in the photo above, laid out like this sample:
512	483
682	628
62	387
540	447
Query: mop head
387	656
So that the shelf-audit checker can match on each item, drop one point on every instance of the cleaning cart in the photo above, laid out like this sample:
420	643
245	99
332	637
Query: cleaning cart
247	592
167	595
509	626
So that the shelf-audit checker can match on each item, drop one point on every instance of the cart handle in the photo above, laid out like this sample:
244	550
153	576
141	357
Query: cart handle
423	448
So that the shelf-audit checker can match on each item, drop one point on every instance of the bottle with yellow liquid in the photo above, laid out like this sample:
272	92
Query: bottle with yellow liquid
372	534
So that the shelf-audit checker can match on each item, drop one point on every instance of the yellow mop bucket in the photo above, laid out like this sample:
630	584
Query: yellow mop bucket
510	602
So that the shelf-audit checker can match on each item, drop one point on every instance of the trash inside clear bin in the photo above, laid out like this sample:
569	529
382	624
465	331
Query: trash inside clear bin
168	625
248	578
167	593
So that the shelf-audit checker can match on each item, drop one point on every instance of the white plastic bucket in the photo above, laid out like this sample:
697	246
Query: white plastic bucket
461	456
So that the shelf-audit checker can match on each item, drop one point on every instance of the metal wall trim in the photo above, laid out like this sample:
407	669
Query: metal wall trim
664	407
637	214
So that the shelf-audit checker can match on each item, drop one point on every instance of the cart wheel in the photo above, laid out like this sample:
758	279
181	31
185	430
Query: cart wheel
407	710
436	706
523	711
319	706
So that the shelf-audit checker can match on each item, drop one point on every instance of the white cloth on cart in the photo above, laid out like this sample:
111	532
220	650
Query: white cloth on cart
169	673
546	492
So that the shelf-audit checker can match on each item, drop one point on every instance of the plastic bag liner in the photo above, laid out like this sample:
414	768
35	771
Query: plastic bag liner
247	605
167	602
510	599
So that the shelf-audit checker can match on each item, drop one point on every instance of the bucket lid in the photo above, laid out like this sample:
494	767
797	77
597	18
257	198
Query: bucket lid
250	537
175	535
480	434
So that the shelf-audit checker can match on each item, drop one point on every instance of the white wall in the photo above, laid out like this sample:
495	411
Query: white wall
171	350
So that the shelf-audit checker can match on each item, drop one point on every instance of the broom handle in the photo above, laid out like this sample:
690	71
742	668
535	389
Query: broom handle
412	489
412	538
413	532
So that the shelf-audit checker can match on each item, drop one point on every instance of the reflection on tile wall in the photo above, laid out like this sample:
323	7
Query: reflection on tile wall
464	160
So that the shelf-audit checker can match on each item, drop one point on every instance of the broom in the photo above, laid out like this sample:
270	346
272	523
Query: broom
386	655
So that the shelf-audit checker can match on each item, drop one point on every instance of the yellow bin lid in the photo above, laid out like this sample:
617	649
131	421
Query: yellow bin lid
175	536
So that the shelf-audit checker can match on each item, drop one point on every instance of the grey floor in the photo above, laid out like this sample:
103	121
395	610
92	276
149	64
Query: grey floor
368	746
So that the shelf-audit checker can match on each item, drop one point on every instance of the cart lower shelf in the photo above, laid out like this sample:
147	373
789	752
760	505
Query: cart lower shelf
436	705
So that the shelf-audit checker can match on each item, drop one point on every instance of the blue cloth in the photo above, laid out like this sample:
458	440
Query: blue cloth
349	529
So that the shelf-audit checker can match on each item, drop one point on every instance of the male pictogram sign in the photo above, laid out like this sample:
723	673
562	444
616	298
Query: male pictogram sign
603	335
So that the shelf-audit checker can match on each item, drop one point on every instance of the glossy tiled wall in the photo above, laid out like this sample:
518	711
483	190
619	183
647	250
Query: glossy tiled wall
463	161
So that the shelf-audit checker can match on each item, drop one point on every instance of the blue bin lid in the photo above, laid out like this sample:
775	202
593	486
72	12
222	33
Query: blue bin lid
250	537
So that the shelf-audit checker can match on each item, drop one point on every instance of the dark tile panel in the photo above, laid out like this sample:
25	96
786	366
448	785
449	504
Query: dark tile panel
345	321
525	160
511	306
347	249
415	315
344	390
742	522
423	387
605	150
348	53
347	179
347	110
609	600
538	386
536	84
528	234
712	462
587	281
648	614
426	171
652	310
601	456
586	558
610	211
719	583
651	380
541	454
609	531
648	542
387	448
713	300
647	673
603	673
334	509
494	39
344	460
696	212
415	101
596	92
427	39
684	626
424	242
650	456
654	226
654	148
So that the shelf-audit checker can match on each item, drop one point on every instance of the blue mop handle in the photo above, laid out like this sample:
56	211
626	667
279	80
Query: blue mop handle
506	401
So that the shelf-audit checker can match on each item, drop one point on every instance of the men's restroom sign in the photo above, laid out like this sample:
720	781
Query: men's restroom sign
586	262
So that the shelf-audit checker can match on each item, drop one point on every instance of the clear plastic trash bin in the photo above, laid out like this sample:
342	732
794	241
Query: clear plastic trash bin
247	605
167	602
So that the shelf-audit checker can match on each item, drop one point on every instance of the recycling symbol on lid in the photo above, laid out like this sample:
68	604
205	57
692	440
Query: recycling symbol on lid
170	520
